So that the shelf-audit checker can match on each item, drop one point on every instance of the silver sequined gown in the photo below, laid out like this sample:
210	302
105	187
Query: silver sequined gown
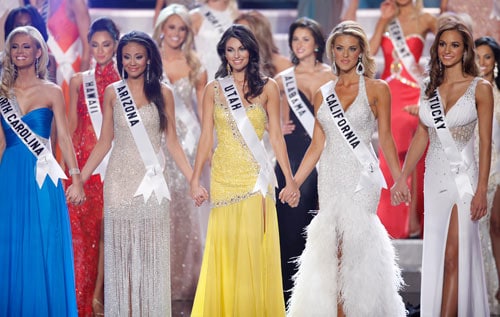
187	222
441	194
367	277
136	234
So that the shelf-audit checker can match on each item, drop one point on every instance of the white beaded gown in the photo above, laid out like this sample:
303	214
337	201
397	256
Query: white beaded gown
187	222
136	234
441	194
367	278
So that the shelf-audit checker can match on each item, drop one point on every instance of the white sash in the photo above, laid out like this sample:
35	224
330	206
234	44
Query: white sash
46	164
296	103
496	143
95	114
459	162
401	47
266	174
371	173
155	164
188	118
208	14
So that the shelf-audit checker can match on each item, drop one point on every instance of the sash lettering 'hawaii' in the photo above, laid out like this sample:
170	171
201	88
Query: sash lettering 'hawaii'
459	162
371	173
401	47
296	103
266	174
46	164
212	19
154	179
95	114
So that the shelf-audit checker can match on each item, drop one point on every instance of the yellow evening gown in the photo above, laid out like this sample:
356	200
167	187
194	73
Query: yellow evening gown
241	270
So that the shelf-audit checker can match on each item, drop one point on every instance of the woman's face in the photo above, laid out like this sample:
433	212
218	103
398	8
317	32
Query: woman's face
237	55
134	59
174	32
23	51
346	50
22	19
102	47
486	60
303	43
451	48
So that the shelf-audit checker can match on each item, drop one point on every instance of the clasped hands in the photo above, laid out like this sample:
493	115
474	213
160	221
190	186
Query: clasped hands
75	194
400	192
290	194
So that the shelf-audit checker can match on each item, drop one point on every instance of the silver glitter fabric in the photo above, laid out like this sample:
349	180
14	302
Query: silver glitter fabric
136	234
348	256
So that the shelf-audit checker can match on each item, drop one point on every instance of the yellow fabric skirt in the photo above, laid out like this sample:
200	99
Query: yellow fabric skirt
241	270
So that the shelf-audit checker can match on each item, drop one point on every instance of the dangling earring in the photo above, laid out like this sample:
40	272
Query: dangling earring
495	71
147	72
334	68
440	66
15	71
316	50
360	68
228	68
37	65
123	73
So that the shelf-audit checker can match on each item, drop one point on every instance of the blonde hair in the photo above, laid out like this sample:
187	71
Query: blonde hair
232	6
187	47
9	70
354	29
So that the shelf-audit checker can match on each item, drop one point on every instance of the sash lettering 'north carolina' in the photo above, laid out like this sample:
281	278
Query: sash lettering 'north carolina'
212	19
235	104
401	47
295	102
371	173
95	114
46	164
459	162
154	179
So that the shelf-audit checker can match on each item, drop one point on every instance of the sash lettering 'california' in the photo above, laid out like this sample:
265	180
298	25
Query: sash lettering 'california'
343	125
128	105
234	103
436	111
91	94
18	126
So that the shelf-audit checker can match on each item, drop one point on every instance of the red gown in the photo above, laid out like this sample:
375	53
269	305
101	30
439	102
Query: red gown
405	91
86	219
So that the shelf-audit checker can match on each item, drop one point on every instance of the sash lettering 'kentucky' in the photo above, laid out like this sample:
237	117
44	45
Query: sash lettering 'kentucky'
127	104
46	163
295	102
437	111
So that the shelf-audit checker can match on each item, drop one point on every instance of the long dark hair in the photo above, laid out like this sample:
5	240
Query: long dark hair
469	66
253	77
36	20
317	33
489	41
152	88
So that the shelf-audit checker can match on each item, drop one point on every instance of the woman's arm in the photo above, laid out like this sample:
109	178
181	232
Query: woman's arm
484	105
278	142
103	145
387	13
74	90
201	82
313	153
172	142
205	144
287	126
3	143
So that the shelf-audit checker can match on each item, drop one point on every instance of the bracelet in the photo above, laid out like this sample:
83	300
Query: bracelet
73	171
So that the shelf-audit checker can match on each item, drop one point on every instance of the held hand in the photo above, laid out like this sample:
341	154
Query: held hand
290	194
412	109
199	194
400	193
478	206
75	194
287	127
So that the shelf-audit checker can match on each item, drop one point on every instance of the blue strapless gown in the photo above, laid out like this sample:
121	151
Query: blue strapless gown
36	257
